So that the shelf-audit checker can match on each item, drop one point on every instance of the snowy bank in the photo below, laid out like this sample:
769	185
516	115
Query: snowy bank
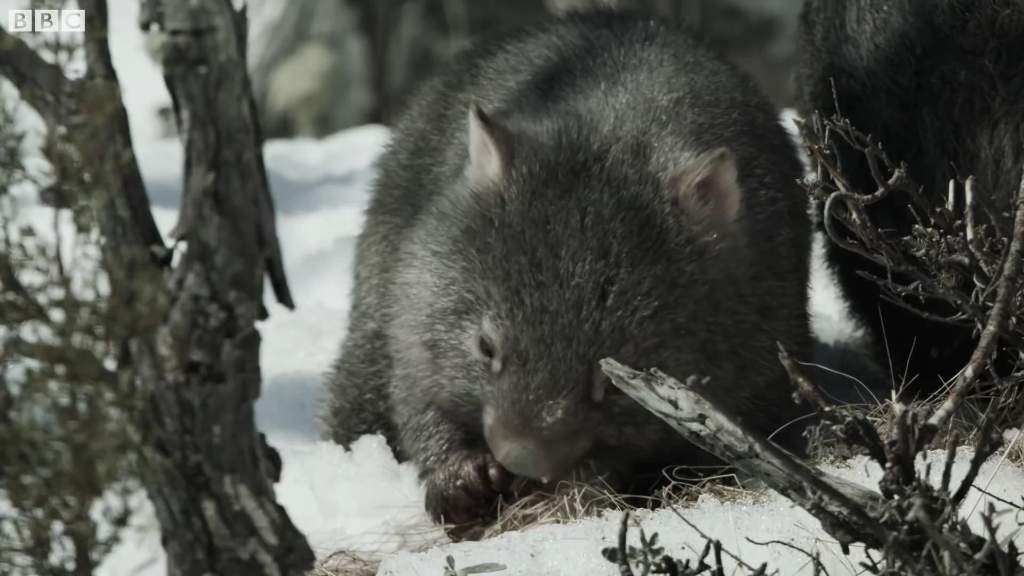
756	529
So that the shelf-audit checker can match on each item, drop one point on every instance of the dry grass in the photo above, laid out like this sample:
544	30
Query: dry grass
574	501
365	560
963	427
344	563
1014	449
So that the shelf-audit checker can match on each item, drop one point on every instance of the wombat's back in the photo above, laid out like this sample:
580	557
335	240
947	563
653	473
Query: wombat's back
618	76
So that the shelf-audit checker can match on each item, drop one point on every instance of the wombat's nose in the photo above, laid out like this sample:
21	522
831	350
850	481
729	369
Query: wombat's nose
522	459
524	456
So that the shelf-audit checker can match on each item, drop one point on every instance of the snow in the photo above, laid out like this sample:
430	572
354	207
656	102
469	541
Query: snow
576	549
363	500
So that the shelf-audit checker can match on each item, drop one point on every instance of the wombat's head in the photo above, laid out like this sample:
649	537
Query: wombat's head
554	250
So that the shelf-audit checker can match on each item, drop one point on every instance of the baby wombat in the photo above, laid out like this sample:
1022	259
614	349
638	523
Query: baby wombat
940	85
598	185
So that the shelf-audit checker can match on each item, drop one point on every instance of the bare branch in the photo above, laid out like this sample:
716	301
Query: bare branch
998	317
855	427
39	82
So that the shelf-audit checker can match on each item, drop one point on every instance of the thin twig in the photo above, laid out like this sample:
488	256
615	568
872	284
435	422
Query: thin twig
623	559
998	316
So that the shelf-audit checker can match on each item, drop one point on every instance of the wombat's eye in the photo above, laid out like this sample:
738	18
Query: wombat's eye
488	352
486	347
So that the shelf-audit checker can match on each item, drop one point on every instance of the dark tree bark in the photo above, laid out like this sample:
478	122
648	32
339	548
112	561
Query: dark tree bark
209	471
214	497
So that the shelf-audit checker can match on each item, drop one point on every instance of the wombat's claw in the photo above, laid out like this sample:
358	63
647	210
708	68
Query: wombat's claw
465	490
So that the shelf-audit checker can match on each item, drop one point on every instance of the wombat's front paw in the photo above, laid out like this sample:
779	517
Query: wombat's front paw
466	488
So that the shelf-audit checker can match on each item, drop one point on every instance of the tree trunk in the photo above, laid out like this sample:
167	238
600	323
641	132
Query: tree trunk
209	476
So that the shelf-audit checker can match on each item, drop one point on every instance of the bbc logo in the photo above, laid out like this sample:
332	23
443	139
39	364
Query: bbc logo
45	21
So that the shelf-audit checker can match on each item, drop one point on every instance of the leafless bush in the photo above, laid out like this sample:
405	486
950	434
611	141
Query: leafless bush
956	253
66	412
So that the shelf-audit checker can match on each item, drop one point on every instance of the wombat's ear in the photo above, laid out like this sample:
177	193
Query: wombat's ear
488	149
707	187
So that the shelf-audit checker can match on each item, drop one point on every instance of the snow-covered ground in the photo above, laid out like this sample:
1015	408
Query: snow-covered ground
362	499
749	528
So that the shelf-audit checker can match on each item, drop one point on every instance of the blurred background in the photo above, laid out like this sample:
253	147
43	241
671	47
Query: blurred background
320	66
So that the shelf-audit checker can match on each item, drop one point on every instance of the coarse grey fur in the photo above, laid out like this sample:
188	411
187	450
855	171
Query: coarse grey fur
582	247
940	84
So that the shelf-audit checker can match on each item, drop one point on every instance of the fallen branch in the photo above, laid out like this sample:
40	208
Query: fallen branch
841	507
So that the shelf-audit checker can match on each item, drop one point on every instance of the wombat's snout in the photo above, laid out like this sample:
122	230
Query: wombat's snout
526	453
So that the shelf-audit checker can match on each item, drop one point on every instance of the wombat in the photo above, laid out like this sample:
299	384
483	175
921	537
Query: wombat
595	185
940	86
